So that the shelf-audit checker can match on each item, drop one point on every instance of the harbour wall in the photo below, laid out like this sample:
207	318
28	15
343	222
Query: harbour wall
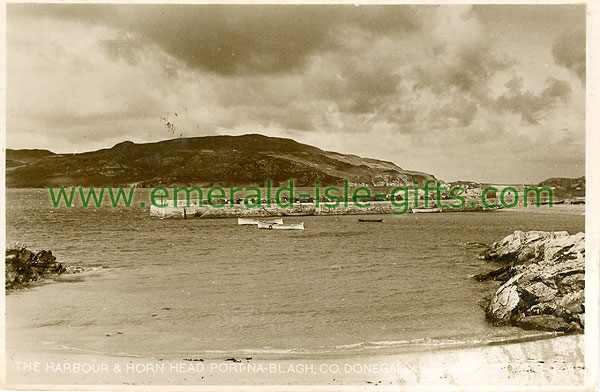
298	209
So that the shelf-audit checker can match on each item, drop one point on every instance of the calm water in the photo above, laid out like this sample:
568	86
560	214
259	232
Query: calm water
172	288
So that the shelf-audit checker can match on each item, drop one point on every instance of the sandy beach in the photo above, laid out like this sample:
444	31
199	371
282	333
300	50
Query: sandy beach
557	361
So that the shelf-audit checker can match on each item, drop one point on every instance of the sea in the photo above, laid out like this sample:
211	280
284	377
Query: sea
209	288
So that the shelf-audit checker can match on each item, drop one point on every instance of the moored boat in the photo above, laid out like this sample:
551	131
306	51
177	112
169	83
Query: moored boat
289	226
246	221
425	210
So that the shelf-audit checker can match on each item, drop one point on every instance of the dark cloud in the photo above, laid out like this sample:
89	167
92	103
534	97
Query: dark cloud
365	91
469	72
530	105
260	39
404	117
569	51
457	114
238	39
460	109
476	67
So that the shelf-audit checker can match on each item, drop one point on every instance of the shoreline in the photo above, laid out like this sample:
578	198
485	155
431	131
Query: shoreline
408	348
551	361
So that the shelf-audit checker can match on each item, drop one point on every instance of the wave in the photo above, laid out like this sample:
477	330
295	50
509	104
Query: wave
62	347
387	347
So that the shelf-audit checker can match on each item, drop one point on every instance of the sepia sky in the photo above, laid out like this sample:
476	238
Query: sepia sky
484	93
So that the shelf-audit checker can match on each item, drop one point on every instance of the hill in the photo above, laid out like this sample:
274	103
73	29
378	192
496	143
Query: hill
565	187
16	158
202	161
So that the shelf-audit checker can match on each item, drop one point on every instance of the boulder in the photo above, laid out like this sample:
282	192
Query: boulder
543	277
546	322
22	266
499	274
572	283
535	245
536	292
573	301
503	305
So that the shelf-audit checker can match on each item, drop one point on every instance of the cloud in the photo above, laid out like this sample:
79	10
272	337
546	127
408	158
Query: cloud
423	86
530	105
460	109
462	55
234	40
569	51
68	87
237	39
358	84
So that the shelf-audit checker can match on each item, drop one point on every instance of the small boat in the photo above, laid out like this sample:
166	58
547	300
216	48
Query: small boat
245	221
289	226
424	210
369	220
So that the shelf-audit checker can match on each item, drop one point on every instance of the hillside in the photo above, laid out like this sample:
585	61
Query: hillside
565	187
202	161
15	158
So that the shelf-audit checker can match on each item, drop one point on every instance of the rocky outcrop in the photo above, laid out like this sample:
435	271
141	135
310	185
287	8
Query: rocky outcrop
24	266
543	281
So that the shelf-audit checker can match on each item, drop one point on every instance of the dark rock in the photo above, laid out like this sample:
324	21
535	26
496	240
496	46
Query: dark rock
572	283
23	266
544	281
546	322
499	274
581	318
573	302
503	305
536	292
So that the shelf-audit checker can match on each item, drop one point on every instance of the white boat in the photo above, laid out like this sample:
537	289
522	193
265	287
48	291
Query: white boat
419	210
289	226
246	221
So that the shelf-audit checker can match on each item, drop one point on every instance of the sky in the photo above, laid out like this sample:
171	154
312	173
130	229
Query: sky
484	93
